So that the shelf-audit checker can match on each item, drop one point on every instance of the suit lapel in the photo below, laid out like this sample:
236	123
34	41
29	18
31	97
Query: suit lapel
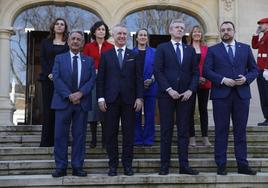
83	68
184	51
69	63
237	51
126	56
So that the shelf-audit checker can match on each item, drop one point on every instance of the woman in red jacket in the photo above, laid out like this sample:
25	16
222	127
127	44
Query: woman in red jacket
203	90
99	33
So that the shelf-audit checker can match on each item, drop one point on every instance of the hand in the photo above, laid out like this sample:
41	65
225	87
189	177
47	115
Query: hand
229	82
241	80
50	76
138	105
202	80
174	94
186	95
75	97
147	83
102	106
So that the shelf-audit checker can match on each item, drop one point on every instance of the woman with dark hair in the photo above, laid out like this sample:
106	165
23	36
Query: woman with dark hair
196	41
144	134
55	44
99	33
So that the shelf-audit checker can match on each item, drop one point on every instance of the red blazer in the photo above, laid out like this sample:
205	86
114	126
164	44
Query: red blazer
203	49
262	46
92	49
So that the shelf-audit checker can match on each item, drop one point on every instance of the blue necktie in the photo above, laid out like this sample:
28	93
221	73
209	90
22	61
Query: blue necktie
178	52
231	53
75	74
120	57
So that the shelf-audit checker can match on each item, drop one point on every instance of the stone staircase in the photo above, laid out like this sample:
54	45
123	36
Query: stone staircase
24	164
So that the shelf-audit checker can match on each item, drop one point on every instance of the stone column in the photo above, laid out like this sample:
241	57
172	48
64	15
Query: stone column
211	38
6	107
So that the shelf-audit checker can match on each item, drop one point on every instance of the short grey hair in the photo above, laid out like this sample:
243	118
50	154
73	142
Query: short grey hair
114	30
80	32
176	21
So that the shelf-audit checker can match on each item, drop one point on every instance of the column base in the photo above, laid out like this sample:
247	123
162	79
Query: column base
6	112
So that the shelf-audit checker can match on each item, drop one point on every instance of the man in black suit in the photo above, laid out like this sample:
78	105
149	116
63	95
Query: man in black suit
177	74
120	92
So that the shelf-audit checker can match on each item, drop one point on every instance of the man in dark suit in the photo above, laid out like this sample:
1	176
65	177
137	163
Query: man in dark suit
73	77
120	92
177	74
231	67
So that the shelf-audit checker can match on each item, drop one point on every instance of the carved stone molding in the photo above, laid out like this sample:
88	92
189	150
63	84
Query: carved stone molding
228	5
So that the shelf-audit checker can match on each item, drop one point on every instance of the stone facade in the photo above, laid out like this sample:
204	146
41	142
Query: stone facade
244	13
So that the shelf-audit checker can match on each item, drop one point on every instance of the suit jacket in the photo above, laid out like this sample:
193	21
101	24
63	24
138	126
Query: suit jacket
112	80
218	65
62	79
92	49
207	83
148	70
170	73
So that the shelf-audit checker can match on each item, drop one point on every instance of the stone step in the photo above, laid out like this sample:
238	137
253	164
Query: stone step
36	130
204	180
27	167
34	140
45	153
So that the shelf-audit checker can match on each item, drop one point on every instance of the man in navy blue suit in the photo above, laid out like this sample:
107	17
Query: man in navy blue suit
177	75
120	92
231	67
73	78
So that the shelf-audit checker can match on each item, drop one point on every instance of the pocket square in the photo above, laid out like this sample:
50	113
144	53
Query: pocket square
130	59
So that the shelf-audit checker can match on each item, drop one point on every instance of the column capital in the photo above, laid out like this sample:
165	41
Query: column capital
211	38
6	31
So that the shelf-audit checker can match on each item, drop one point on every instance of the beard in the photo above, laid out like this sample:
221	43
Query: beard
227	38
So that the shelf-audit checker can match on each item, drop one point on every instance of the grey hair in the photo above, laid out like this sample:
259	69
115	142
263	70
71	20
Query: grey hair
80	32
114	30
176	21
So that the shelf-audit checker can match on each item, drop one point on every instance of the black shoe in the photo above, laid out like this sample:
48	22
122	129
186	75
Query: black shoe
79	172
112	171
246	170
265	123
59	173
128	171
188	170
221	170
163	170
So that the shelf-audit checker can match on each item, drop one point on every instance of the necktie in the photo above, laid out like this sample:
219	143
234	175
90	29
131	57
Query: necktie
120	56
178	52
231	53
75	74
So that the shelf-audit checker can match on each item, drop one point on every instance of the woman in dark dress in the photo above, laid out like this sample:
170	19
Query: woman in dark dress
55	44
203	90
100	34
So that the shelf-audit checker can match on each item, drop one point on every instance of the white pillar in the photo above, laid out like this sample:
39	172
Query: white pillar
6	107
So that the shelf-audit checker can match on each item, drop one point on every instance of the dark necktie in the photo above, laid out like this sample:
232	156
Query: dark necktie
231	53
75	74
178	52
120	57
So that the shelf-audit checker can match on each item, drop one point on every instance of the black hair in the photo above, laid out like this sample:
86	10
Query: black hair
95	26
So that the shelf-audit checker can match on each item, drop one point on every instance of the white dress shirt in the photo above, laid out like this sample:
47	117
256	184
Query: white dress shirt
79	66
180	47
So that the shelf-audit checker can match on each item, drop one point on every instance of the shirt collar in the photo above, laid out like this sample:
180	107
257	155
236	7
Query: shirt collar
72	54
124	48
226	44
174	42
